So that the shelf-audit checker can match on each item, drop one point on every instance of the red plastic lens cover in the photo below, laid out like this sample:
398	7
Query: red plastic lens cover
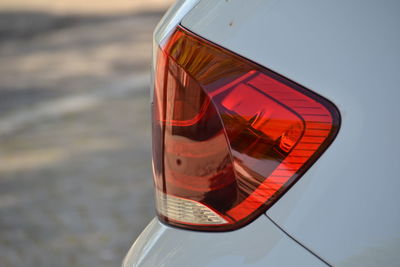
228	134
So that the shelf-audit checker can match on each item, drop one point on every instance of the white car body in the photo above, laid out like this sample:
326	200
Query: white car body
345	210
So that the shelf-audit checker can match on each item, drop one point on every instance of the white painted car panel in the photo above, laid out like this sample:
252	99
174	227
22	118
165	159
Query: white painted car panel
260	243
346	207
172	18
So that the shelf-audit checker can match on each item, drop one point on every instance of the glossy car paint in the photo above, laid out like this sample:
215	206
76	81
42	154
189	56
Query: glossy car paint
171	19
260	243
345	208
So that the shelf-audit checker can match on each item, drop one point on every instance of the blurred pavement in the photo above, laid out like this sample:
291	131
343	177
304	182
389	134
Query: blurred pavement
75	139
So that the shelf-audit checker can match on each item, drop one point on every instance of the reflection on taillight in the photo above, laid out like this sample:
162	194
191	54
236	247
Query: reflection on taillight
229	136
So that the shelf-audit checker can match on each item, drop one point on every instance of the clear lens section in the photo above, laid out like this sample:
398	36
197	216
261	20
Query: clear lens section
186	211
229	137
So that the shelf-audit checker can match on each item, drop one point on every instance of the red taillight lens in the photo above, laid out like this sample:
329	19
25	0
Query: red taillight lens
229	137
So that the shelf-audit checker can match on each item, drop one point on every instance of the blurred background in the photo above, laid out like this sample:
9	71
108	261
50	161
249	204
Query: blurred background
75	139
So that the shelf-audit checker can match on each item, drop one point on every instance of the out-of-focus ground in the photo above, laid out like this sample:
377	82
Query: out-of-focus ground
75	160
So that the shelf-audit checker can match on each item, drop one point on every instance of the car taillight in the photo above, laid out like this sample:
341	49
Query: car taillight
229	136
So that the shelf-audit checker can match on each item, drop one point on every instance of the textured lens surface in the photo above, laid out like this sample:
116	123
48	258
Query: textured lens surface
229	137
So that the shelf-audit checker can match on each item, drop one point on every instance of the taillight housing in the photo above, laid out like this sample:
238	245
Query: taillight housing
229	136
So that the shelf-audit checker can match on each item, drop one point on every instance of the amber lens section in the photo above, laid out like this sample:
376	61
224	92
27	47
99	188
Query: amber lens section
229	134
